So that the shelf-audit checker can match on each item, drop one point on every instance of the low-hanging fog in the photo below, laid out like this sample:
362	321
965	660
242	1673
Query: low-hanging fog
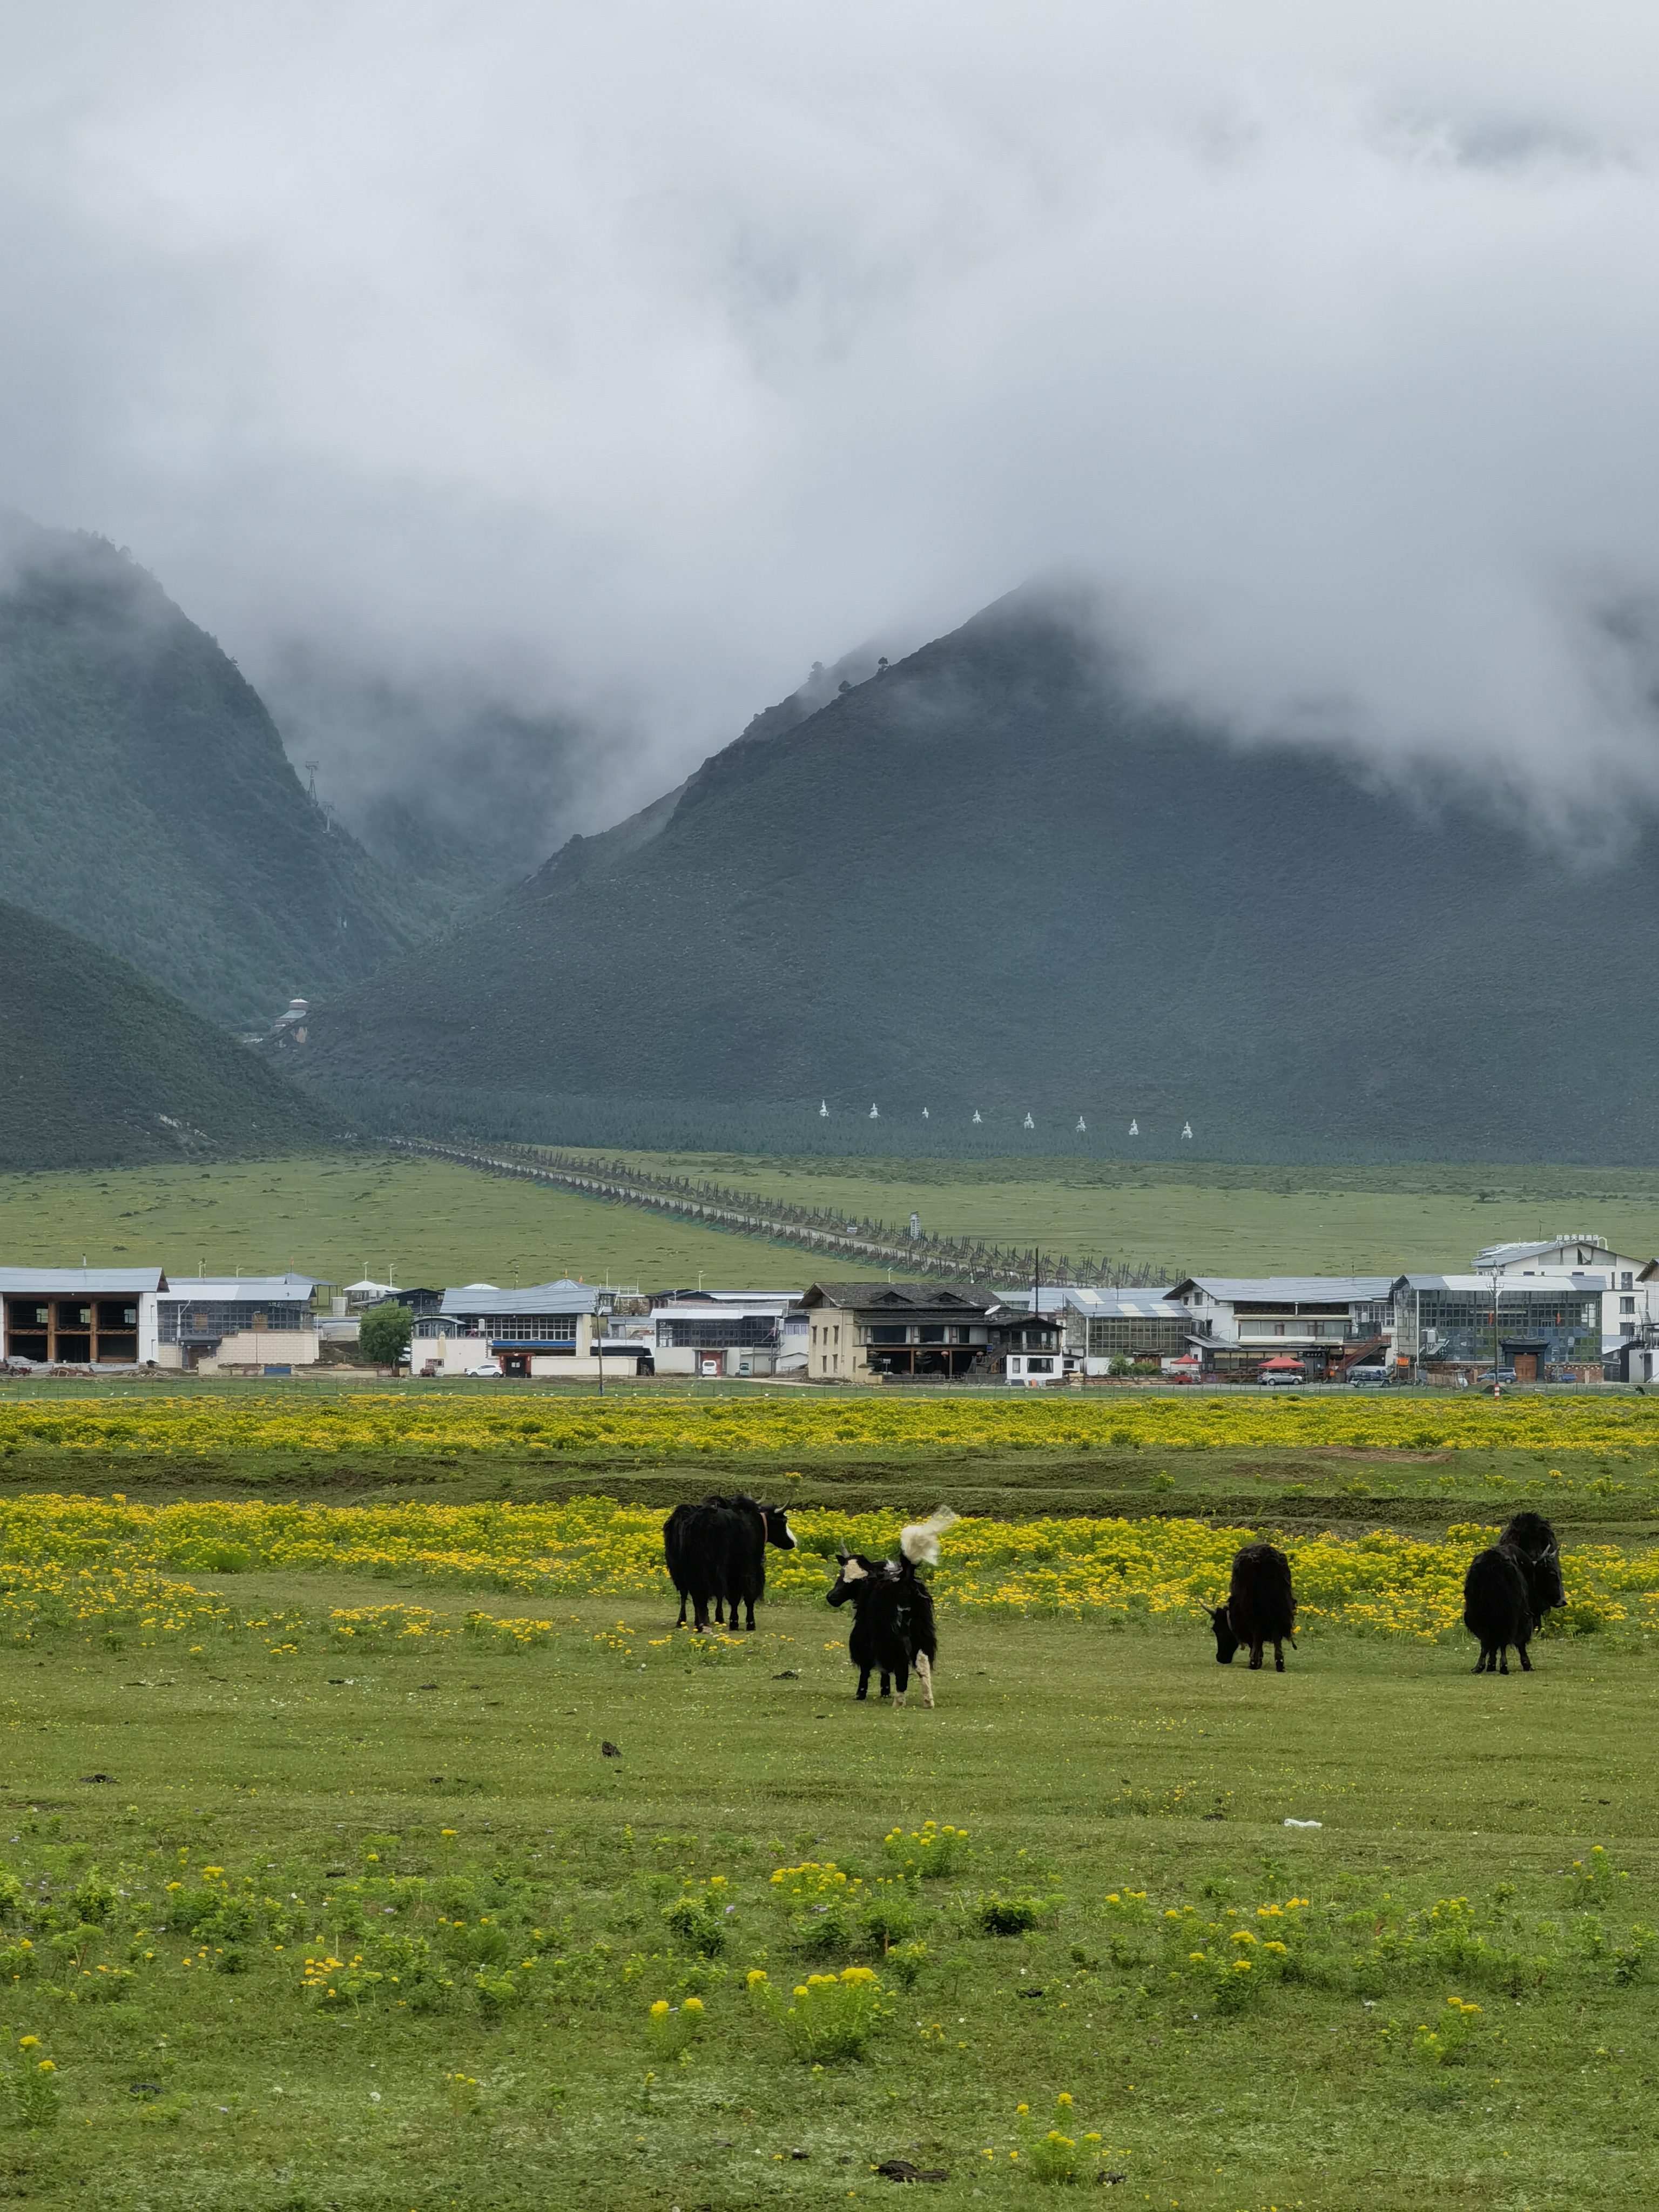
579	371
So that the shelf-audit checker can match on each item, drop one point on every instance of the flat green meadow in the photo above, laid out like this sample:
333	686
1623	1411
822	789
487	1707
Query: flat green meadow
369	1917
385	1930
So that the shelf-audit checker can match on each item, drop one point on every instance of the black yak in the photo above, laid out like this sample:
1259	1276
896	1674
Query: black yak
1532	1540
1261	1607
716	1554
1498	1607
893	1625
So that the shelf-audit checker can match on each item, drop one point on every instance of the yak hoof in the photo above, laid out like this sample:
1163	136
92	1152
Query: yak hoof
1278	1663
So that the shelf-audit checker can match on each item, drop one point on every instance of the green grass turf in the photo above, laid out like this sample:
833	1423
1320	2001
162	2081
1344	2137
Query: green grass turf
1083	1765
338	1216
1211	1218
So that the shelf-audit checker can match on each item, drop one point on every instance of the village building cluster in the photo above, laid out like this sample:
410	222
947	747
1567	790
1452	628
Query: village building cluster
1568	1309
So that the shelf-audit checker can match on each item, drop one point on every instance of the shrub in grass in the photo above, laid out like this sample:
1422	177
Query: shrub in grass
830	2016
907	1961
496	1994
674	2030
93	1896
1052	2157
1013	1916
1447	2043
928	1853
700	1917
31	2086
889	1916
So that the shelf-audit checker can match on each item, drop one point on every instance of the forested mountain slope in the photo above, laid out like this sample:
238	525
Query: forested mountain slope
148	804
992	878
101	1067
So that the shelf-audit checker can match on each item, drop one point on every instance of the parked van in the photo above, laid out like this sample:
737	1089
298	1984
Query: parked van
1368	1378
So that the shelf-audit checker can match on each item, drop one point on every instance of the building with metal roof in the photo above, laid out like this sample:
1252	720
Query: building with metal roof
213	1323
857	1331
548	1329
1532	1323
81	1316
1330	1322
1099	1326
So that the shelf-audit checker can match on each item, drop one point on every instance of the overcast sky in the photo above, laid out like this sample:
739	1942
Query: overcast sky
623	358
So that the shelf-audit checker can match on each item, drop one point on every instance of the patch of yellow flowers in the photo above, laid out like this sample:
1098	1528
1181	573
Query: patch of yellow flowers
420	1420
129	1567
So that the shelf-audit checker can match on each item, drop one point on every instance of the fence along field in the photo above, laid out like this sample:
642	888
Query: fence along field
313	1900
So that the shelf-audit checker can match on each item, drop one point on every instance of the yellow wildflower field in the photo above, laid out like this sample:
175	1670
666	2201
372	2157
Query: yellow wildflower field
425	1420
127	1566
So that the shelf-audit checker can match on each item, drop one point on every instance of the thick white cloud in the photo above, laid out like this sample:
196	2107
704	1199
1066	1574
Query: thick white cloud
622	358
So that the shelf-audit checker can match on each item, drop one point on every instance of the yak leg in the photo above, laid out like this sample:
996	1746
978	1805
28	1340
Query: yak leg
749	1607
1279	1657
925	1677
720	1612
864	1683
886	1682
1256	1658
680	1623
1504	1660
1526	1663
900	1678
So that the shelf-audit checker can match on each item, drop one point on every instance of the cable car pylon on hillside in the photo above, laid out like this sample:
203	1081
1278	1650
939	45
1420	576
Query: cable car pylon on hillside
976	1114
824	1109
1081	1124
1187	1131
1029	1122
875	1113
1134	1129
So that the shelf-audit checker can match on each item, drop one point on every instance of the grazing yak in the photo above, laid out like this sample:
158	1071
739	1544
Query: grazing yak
716	1554
1497	1608
1508	1591
893	1628
1533	1541
1261	1607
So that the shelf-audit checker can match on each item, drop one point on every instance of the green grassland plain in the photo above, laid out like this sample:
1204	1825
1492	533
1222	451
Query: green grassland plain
456	1815
1197	1217
189	1829
339	1215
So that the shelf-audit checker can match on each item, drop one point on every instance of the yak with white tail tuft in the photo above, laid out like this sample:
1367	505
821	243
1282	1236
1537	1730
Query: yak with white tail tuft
894	1632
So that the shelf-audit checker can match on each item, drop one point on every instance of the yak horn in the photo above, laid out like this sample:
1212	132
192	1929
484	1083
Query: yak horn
919	1539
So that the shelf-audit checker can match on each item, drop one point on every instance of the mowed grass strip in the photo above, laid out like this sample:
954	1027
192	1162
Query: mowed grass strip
449	1816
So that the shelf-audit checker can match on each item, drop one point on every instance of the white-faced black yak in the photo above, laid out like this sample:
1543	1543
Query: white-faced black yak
716	1554
893	1628
1261	1607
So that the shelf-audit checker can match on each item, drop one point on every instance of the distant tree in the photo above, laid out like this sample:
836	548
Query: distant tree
383	1333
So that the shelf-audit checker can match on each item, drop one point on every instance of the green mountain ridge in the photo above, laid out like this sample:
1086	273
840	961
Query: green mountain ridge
994	878
99	1067
149	805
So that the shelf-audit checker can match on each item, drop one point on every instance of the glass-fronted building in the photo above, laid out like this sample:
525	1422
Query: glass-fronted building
1533	1323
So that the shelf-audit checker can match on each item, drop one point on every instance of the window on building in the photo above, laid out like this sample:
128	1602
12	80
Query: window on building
1627	1329
1627	1306
1627	1281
